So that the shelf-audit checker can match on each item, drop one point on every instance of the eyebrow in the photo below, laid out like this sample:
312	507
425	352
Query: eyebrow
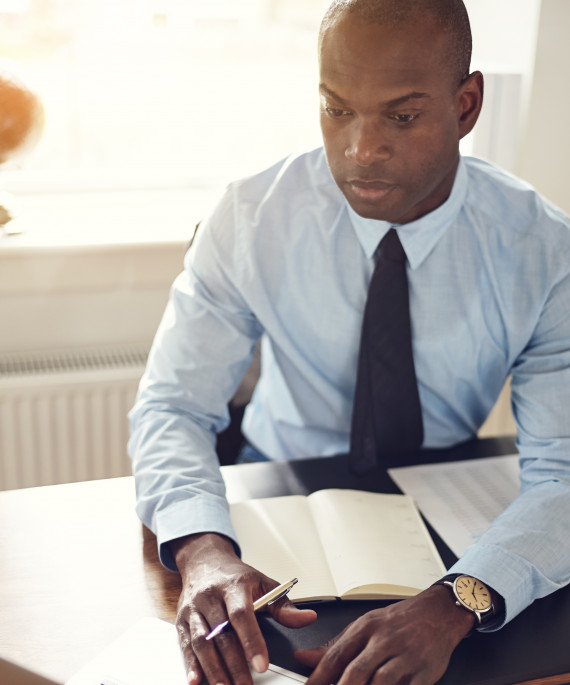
396	102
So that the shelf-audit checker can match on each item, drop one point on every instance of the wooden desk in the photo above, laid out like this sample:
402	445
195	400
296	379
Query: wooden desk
77	568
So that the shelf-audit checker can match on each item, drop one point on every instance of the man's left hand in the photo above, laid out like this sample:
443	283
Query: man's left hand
407	642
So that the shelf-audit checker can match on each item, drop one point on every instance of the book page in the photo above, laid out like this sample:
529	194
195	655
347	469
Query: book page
373	539
461	499
148	654
278	537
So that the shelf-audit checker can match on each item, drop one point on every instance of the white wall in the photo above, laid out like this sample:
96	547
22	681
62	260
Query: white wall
530	37
544	158
504	34
52	299
504	38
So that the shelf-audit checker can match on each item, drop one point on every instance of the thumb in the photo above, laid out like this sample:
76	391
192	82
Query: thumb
286	613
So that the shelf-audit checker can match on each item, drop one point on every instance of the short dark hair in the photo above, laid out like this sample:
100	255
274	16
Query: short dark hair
451	15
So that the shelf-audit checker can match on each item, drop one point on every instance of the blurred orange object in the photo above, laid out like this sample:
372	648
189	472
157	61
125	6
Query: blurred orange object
21	117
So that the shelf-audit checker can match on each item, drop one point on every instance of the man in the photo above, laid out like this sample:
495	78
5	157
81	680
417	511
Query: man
288	256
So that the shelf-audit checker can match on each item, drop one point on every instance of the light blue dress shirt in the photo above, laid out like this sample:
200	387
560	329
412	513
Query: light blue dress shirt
284	257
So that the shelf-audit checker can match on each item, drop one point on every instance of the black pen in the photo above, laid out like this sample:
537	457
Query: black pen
269	598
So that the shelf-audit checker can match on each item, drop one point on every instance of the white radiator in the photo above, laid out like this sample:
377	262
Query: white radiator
63	417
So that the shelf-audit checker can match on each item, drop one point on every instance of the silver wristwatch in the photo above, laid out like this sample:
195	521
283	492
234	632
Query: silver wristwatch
472	595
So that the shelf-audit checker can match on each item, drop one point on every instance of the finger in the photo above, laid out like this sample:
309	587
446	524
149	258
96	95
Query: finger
407	669
229	648
220	659
246	628
340	651
310	657
286	613
365	666
193	670
228	653
398	670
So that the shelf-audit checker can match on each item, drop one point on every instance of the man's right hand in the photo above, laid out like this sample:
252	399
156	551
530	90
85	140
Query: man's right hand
217	586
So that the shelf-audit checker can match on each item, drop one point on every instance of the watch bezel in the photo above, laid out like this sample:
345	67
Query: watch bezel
479	612
482	615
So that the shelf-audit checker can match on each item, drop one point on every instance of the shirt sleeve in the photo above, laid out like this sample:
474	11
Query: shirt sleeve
202	348
524	554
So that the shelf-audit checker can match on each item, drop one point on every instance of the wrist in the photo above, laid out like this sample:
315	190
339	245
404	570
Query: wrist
476	598
459	621
192	550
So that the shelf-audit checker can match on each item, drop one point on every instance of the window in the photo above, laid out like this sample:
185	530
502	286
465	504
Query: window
155	104
158	93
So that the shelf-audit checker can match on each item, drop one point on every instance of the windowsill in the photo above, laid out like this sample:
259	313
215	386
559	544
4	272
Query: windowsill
63	222
99	241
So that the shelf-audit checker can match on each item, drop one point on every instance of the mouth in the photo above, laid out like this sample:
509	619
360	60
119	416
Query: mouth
370	190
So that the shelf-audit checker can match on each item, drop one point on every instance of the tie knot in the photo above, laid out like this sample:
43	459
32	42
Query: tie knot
391	248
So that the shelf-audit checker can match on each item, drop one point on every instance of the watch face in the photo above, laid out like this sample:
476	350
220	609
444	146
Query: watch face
473	593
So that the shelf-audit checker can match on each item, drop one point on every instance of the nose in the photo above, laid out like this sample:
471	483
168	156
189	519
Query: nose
368	144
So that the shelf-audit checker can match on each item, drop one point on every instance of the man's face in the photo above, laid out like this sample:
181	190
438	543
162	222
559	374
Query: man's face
389	117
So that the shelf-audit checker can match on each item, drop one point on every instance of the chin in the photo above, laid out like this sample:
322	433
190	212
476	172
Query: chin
368	211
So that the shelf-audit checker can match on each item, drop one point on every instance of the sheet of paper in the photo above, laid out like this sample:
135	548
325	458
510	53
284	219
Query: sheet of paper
148	654
278	536
371	538
461	499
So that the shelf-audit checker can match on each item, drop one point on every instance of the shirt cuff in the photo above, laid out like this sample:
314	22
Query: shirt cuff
188	517
506	573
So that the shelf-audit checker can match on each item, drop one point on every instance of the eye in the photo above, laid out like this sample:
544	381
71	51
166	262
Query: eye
405	118
335	112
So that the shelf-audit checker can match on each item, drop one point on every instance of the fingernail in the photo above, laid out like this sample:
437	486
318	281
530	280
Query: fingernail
258	664
192	676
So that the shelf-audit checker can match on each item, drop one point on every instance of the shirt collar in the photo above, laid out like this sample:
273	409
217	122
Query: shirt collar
418	237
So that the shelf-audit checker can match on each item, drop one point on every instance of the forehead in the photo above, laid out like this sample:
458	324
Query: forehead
366	56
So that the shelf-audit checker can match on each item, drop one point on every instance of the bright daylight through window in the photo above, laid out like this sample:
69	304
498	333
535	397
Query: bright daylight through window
159	95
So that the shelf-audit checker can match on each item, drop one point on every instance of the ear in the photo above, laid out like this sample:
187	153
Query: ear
469	101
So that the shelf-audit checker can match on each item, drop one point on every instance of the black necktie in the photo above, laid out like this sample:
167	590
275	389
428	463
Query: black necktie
386	416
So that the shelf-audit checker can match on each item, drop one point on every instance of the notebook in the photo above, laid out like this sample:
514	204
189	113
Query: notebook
340	543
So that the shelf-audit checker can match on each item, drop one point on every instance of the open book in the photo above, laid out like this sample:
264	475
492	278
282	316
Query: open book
339	543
